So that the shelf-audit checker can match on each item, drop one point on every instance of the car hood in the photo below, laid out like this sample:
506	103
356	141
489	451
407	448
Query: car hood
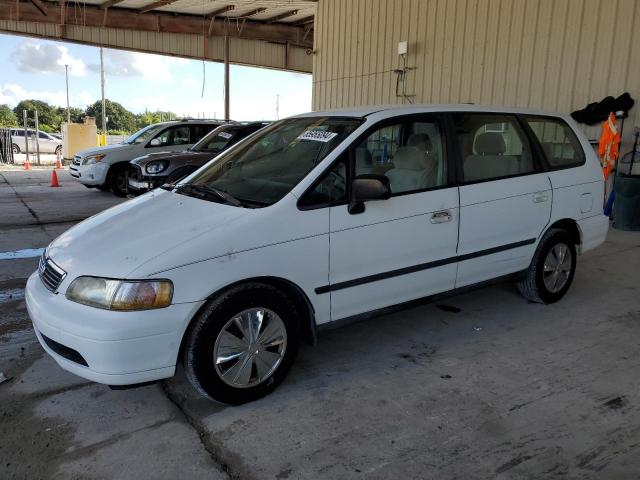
115	242
118	147
184	155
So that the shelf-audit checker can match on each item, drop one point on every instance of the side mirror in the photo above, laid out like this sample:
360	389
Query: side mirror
368	187
155	142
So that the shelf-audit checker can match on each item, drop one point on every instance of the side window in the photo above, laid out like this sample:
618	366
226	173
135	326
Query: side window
410	154
561	146
331	188
492	146
199	131
43	135
178	135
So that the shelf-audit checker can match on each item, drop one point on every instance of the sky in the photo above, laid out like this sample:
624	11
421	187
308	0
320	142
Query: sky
34	69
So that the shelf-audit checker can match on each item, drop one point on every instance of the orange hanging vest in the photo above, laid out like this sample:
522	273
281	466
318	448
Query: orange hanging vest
608	145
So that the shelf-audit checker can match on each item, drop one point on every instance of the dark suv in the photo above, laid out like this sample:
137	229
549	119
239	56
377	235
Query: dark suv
151	171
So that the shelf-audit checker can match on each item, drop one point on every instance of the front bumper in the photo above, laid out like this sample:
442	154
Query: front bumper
119	348
93	175
137	183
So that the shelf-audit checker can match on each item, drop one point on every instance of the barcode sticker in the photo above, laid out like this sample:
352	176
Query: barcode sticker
317	136
225	135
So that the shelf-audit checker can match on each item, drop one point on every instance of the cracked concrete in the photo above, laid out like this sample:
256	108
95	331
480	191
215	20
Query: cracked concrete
481	385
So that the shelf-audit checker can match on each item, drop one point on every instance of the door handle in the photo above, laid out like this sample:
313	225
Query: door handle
441	217
540	197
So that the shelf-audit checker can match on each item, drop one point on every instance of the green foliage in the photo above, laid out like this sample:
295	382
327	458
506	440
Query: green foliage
7	117
50	118
118	117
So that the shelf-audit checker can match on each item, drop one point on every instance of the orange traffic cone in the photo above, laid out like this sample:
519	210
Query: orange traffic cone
54	179
27	166
58	160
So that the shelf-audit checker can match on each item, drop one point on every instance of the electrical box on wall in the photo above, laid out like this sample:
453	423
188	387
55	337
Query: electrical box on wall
402	48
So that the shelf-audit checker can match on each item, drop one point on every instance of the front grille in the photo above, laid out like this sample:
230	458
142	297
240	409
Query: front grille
64	351
50	274
77	160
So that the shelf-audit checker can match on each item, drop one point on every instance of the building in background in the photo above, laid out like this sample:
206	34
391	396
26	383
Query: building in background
555	55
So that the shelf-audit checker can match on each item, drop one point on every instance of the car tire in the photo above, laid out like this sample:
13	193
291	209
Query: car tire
552	268
15	148
117	180
228	361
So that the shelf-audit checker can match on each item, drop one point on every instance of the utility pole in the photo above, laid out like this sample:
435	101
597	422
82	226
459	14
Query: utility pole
104	110
227	114
35	118
278	107
66	76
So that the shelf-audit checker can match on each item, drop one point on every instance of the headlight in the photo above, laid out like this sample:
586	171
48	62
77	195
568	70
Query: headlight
91	159
157	166
121	294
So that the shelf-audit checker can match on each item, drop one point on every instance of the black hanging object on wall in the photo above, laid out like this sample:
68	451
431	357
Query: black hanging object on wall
599	111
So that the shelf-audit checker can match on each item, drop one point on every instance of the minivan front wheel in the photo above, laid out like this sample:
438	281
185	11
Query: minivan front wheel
242	345
552	268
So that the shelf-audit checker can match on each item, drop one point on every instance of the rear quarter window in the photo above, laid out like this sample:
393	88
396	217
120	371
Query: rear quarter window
559	143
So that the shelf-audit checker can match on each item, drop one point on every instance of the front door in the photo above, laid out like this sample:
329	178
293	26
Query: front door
402	248
505	197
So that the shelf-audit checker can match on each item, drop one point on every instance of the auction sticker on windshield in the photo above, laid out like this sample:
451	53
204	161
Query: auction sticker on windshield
317	136
225	135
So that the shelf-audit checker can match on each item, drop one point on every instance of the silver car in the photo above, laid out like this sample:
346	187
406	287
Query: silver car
47	143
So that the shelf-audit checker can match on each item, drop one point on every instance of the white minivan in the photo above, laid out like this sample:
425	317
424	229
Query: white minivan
317	218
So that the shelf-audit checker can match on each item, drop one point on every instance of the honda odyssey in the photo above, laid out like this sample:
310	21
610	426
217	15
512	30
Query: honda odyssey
314	219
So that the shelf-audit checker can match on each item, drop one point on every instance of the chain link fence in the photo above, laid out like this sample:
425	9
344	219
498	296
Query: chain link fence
6	150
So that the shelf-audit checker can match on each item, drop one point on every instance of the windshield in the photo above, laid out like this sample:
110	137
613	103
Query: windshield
141	136
216	141
264	168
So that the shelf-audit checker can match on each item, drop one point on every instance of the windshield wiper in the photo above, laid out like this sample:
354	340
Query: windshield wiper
206	190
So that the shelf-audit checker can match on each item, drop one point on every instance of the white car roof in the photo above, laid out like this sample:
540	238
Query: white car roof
394	110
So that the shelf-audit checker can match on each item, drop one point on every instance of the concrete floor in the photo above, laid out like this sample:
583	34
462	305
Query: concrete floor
481	385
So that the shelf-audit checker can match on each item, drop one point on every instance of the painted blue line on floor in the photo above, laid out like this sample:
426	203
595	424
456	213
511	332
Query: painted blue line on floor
26	253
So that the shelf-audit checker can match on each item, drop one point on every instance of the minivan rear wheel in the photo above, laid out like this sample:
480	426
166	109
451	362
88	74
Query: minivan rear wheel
552	268
15	148
242	344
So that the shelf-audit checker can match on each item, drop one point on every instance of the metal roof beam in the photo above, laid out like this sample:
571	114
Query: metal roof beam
41	7
220	11
109	3
277	18
154	5
128	19
251	13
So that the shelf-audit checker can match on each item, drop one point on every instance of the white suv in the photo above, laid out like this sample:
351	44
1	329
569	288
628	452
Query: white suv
318	218
106	167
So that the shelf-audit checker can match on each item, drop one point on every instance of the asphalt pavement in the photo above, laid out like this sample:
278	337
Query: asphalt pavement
480	385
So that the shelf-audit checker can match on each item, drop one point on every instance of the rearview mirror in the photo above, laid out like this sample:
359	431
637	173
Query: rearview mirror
368	187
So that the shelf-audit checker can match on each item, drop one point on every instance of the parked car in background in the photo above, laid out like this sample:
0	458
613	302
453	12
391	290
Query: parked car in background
323	217
47	143
106	167
156	169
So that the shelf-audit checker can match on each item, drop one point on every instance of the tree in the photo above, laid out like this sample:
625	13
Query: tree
49	119
118	117
7	117
76	114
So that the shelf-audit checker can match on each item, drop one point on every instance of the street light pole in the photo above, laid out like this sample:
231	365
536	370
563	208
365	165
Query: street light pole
104	114
66	75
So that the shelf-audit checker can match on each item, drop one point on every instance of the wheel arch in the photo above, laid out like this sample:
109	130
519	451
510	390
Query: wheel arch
291	290
570	226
